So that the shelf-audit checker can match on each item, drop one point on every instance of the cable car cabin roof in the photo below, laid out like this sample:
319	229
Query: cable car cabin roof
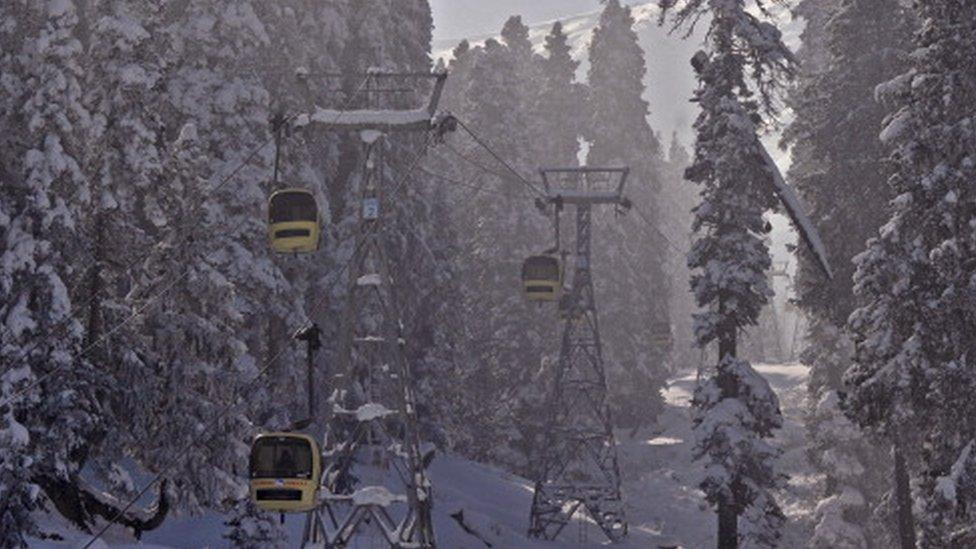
292	205
283	455
541	267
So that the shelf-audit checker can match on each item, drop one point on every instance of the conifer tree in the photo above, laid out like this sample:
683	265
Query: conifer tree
490	89
628	254
47	391
560	102
252	528
508	229
743	67
912	380
849	48
678	201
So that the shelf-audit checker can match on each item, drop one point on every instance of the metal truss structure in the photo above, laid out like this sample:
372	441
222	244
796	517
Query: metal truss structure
578	470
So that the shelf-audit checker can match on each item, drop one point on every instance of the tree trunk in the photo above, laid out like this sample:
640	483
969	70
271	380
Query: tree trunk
728	516
93	331
903	498
728	526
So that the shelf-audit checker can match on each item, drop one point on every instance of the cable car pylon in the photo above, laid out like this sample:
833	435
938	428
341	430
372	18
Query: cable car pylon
375	481
578	469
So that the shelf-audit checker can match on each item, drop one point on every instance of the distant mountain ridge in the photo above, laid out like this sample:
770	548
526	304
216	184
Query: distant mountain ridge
578	27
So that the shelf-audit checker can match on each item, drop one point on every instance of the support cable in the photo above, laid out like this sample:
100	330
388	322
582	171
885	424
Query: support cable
481	167
672	245
501	160
468	185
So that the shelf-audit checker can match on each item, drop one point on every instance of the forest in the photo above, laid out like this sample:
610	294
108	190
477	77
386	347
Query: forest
754	327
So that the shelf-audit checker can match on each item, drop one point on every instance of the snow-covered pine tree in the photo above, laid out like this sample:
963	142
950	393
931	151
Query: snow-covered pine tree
21	249
123	161
515	35
199	346
192	349
48	393
812	55
678	201
834	145
912	379
838	448
849	47
560	105
740	73
252	528
631	287
505	229
491	90
478	419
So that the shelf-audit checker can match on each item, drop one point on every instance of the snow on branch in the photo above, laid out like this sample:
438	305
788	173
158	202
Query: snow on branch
372	119
808	232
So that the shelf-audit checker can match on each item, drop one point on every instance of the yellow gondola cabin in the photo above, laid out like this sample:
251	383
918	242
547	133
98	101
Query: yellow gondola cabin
542	278
293	221
285	472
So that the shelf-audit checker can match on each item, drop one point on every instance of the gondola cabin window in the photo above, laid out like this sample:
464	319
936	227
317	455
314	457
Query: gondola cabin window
276	458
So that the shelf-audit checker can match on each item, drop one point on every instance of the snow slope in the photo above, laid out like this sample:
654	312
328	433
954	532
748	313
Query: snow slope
661	480
665	508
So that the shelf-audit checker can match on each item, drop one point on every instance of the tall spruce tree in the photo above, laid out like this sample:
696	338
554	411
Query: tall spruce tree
49	401
678	201
912	378
631	287
559	102
743	67
507	228
849	47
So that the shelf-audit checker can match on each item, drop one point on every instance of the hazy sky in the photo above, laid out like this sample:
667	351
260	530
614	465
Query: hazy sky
461	18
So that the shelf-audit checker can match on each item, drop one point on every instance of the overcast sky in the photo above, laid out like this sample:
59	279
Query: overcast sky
461	18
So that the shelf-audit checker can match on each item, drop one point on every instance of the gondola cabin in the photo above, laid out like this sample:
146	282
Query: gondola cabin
542	278
285	472
661	333
293	221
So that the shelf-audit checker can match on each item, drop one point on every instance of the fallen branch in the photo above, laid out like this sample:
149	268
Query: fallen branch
80	506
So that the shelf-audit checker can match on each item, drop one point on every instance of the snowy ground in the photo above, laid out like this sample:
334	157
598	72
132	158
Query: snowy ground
661	481
664	506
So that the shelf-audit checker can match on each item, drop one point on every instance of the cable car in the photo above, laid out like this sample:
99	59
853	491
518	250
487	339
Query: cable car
542	278
293	221
285	472
661	333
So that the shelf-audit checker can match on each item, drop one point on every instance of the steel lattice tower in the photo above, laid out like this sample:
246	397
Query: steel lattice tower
374	481
578	467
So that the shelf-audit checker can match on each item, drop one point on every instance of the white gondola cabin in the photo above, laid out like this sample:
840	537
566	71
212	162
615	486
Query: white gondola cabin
294	224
